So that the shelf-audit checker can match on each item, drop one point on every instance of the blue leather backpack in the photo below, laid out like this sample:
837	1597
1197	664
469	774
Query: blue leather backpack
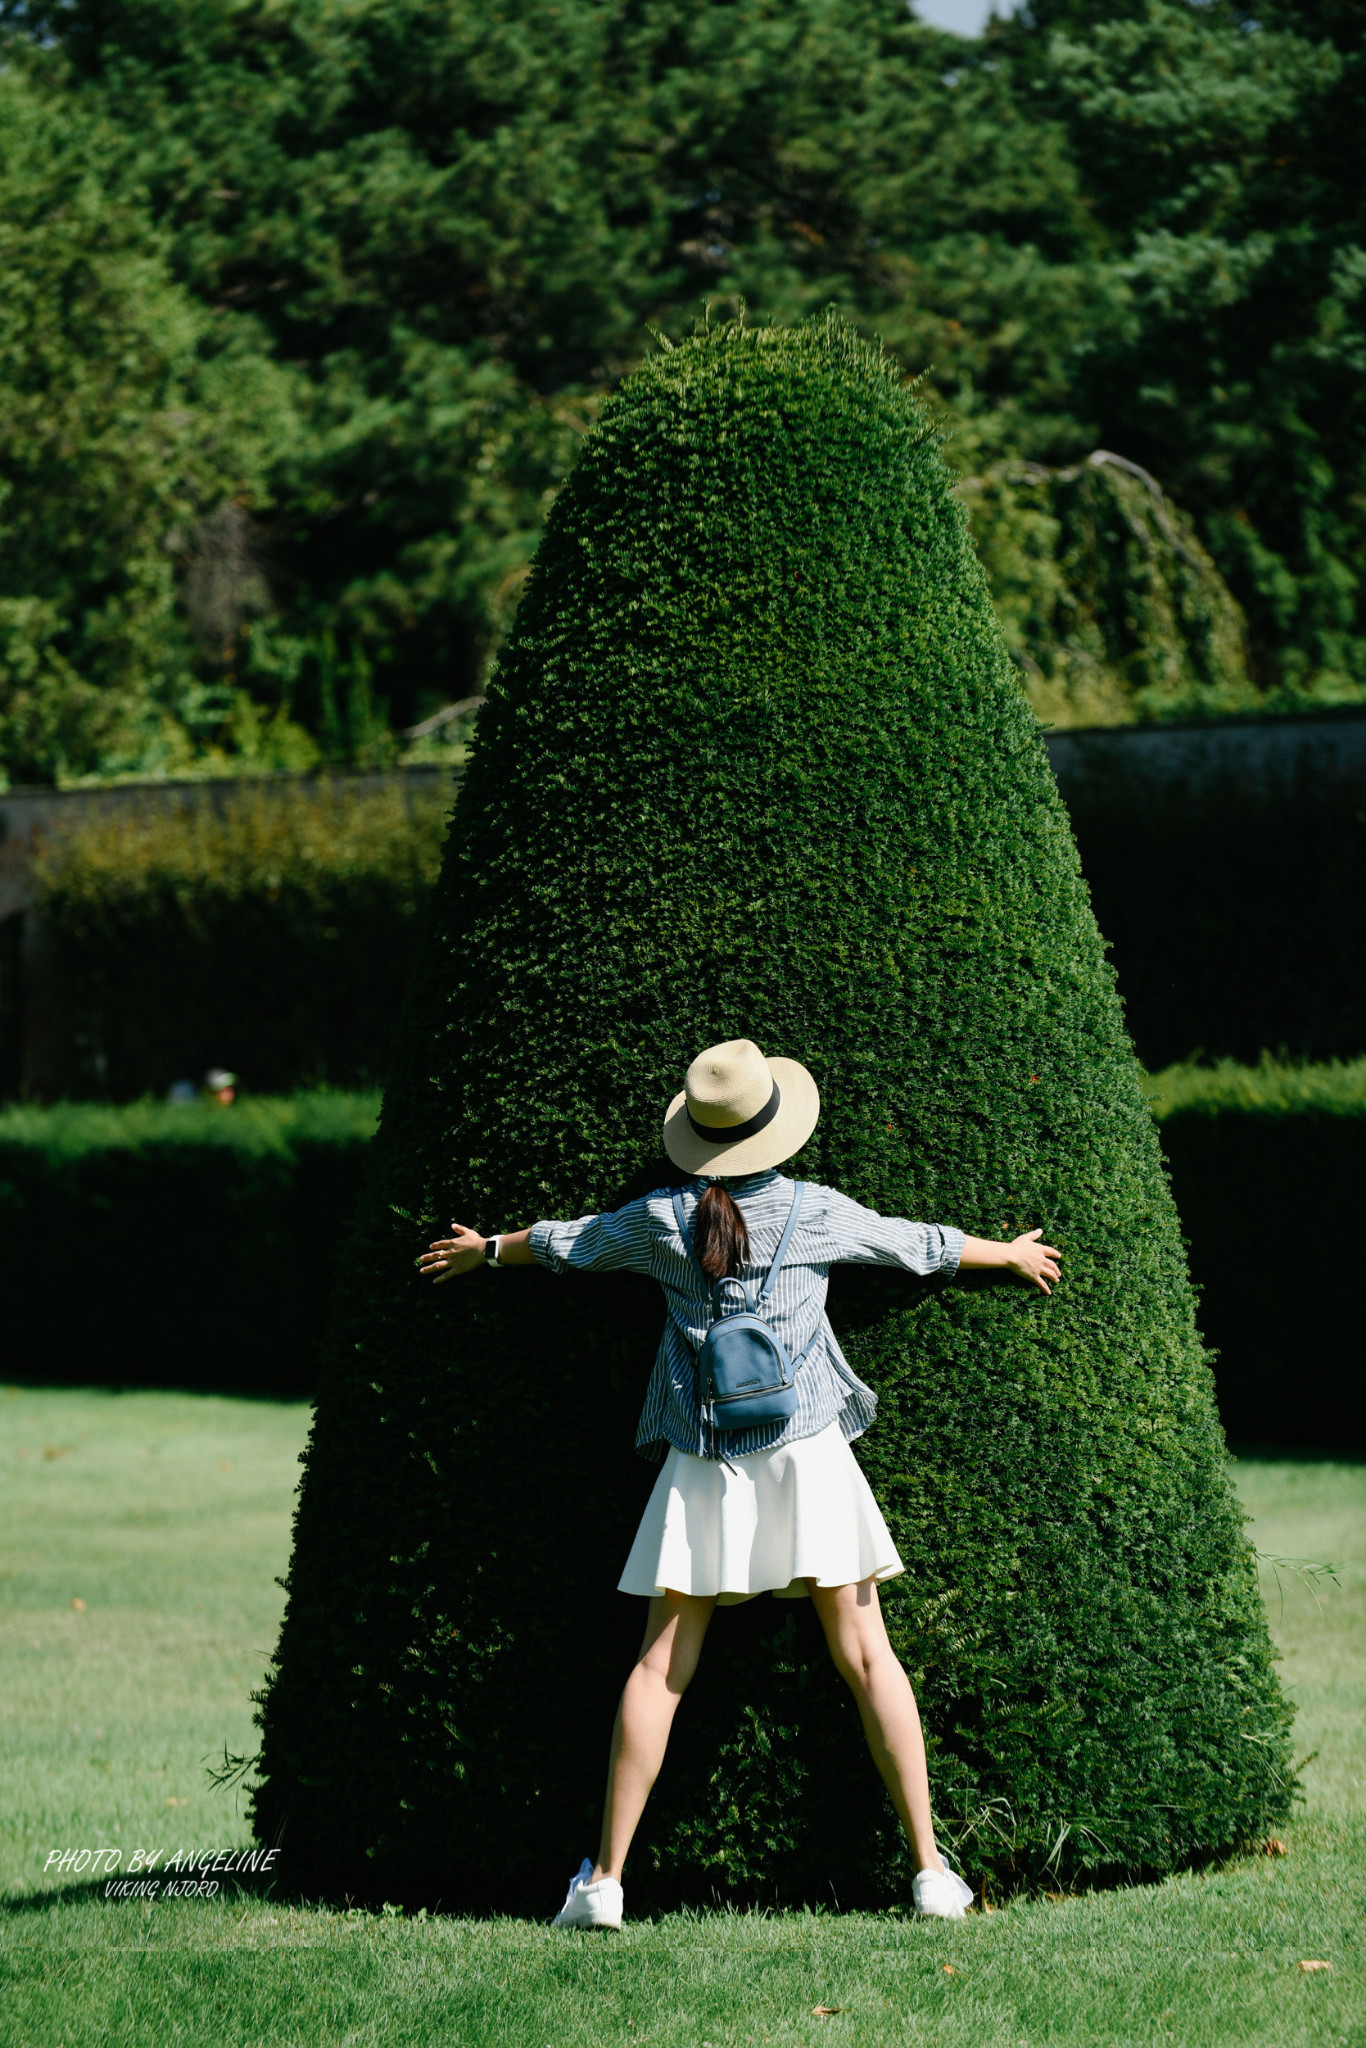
745	1376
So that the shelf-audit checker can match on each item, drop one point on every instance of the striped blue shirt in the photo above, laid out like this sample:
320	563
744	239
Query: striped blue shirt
644	1237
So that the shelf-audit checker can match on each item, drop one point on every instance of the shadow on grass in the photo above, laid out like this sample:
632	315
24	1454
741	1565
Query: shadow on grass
280	1390
105	1891
276	1890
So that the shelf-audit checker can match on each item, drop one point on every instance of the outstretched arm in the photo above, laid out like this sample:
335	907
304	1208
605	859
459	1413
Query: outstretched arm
863	1237
1026	1257
616	1242
463	1250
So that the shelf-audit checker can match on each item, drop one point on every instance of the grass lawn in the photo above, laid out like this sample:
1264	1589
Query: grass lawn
142	1534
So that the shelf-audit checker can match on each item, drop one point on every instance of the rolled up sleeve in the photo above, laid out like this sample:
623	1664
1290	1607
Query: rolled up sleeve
863	1238
617	1242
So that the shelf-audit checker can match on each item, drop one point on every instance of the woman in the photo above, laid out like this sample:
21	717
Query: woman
781	1507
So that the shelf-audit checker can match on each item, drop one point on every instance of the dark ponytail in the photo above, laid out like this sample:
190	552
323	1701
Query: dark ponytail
719	1233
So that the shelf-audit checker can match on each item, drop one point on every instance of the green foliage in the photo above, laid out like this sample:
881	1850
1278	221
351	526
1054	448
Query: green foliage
66	1134
1223	151
1256	1152
756	762
186	1245
1107	599
125	426
447	231
1273	1088
271	933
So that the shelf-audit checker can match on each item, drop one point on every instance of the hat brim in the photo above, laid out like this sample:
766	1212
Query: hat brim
798	1112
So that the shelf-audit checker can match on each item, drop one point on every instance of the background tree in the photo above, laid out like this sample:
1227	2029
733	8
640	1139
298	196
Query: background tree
1108	601
756	762
129	434
1221	148
1134	228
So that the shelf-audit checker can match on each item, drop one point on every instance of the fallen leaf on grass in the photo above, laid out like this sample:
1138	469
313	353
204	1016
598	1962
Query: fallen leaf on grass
950	1970
1316	1966
78	1603
827	2012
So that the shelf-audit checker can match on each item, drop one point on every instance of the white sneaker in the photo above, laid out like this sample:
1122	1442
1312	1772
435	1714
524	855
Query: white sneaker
940	1895
590	1905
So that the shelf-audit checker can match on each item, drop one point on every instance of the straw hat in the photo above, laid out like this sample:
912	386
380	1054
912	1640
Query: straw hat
738	1112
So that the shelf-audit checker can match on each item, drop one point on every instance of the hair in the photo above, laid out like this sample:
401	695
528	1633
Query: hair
720	1233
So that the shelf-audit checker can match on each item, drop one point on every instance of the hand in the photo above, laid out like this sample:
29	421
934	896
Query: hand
451	1256
1033	1261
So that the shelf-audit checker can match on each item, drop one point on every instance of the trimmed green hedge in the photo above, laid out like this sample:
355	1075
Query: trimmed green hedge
189	1246
756	763
273	935
1267	1166
1271	1088
1255	1152
1236	913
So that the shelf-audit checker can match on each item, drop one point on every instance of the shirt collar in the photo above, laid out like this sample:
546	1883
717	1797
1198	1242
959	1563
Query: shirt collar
746	1183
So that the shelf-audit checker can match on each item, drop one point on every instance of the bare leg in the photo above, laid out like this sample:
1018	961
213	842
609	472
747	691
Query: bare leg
865	1660
668	1658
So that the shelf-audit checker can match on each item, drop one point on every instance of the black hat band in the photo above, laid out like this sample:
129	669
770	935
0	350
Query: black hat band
731	1134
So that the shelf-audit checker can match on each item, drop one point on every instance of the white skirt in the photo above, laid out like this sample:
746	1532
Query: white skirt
780	1517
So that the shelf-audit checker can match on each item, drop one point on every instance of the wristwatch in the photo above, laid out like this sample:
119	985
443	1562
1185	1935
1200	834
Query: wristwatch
491	1250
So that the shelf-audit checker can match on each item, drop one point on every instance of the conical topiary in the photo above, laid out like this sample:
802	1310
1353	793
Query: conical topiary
755	765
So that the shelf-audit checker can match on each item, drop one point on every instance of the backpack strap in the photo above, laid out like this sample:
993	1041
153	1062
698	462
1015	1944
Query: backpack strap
766	1291
686	1234
771	1281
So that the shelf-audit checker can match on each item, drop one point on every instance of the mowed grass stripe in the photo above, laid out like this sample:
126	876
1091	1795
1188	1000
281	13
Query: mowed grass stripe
169	1516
